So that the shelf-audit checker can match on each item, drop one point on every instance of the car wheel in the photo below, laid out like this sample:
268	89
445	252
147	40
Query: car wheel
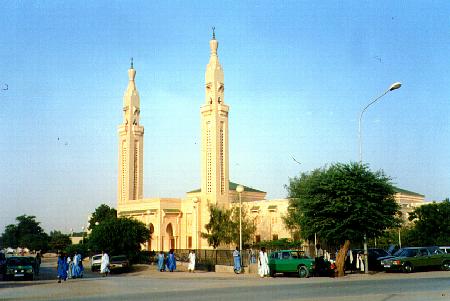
446	266
303	272
408	268
272	273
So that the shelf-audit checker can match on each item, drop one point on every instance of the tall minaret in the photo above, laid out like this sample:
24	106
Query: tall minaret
214	127
131	145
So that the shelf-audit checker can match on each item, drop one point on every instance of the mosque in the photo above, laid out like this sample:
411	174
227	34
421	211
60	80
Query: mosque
178	223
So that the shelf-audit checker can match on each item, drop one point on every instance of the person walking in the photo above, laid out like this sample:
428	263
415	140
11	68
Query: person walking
191	266
69	267
237	260
263	263
62	267
104	266
161	265
171	261
37	263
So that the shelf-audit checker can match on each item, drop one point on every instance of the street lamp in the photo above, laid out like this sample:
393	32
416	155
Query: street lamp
195	201
392	87
82	235
239	190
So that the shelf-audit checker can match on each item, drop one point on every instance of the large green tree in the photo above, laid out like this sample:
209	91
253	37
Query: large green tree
341	203
26	233
59	241
432	223
102	213
119	236
223	226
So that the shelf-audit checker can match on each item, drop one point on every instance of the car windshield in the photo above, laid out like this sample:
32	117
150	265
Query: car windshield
14	261
118	258
96	257
406	253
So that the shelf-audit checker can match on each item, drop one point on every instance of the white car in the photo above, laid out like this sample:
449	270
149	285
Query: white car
445	249
96	261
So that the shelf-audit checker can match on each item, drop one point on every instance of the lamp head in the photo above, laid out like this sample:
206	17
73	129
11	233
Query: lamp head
240	188
395	86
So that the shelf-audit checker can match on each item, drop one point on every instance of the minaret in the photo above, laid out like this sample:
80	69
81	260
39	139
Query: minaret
131	145
214	127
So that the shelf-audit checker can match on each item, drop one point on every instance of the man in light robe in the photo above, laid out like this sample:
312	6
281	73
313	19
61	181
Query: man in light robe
263	263
191	265
104	266
161	266
237	260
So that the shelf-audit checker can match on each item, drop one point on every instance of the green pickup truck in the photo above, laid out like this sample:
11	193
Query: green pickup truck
416	258
291	261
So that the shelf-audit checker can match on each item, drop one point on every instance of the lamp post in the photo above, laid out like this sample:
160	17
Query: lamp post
392	87
195	201
239	190
82	235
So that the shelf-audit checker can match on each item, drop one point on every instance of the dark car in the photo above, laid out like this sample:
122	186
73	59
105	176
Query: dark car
417	258
119	263
291	261
2	263
18	267
375	256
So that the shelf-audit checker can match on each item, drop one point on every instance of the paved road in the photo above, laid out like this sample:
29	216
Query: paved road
145	283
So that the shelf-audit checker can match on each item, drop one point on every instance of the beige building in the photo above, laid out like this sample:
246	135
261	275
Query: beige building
178	223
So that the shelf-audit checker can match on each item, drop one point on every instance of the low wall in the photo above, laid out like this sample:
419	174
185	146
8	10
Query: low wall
251	269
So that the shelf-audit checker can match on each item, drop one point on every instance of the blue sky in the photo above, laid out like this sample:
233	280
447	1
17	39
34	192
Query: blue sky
297	74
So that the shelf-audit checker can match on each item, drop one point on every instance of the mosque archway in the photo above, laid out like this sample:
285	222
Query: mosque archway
170	237
151	228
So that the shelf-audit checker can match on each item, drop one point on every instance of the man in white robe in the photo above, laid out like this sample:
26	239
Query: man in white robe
263	263
104	266
191	258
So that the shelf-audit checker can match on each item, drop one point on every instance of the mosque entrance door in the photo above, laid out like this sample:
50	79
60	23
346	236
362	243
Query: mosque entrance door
169	235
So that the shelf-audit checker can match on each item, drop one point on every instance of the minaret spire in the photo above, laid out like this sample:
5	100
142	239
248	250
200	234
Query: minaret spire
214	34
131	63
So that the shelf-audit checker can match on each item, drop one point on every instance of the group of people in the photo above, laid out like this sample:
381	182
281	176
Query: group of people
169	263
263	262
69	267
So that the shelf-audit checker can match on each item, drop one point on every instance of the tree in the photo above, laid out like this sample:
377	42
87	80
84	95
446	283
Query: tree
223	226
432	223
58	241
27	233
248	226
340	204
219	227
119	236
103	212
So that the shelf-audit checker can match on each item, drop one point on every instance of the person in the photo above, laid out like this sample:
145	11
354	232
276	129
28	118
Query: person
263	263
171	261
69	267
161	261
104	266
76	266
37	263
191	258
237	260
62	267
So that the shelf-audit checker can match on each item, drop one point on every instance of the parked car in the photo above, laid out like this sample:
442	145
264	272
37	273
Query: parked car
96	261
291	261
375	257
19	267
415	258
445	249
119	263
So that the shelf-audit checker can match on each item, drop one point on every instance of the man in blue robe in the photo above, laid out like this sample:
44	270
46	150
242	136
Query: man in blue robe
171	262
62	267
